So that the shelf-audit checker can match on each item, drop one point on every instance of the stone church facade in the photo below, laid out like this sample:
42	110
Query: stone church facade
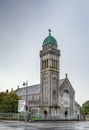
53	97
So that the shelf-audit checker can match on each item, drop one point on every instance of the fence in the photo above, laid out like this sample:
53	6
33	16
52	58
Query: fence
9	116
28	116
14	116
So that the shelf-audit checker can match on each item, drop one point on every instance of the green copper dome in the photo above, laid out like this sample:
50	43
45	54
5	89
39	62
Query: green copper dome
49	39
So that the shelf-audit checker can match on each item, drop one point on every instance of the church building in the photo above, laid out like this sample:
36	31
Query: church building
53	97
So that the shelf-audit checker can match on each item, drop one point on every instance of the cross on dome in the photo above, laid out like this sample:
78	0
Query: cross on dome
49	31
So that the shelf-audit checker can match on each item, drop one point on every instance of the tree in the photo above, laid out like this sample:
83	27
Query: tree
85	107
2	100
8	102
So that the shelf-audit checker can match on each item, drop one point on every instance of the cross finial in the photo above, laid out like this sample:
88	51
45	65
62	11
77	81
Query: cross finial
66	75
49	31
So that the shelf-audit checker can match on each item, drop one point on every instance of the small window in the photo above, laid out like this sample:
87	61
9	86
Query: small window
32	97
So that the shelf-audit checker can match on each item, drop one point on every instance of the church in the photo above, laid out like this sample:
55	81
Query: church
53	97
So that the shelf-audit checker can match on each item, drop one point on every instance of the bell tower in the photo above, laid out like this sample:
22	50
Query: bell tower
49	73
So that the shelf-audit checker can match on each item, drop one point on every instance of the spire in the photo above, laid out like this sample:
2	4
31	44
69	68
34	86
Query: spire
49	31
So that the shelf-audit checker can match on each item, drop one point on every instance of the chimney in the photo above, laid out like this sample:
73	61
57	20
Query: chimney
18	87
11	89
7	91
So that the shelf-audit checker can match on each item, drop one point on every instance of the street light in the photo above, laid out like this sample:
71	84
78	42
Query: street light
26	99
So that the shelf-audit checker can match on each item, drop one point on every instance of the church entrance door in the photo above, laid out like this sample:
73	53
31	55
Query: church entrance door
45	114
66	114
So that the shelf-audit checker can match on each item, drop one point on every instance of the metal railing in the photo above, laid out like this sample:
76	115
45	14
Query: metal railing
8	116
22	116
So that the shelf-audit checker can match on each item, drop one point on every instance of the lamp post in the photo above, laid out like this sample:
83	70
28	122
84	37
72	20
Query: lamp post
26	99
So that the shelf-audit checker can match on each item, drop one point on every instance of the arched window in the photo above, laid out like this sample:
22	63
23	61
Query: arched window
43	66
66	99
47	62
56	64
52	63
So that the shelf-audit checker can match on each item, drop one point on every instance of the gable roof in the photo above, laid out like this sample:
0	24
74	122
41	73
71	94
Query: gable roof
34	89
64	82
77	105
61	82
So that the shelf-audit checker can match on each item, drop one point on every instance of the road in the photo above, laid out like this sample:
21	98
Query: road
16	125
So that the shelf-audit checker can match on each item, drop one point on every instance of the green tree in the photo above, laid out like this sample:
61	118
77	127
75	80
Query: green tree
8	102
85	107
3	96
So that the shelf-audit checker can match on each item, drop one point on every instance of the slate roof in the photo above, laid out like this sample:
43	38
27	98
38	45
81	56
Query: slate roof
61	82
34	89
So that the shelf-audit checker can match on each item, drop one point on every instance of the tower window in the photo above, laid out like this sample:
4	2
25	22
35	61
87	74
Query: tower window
47	62
44	64
56	64
52	63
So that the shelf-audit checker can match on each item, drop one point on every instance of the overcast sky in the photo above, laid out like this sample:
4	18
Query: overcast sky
24	25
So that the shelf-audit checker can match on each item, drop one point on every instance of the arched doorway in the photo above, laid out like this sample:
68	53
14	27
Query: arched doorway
45	113
66	114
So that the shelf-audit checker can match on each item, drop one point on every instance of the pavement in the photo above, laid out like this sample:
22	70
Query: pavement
57	125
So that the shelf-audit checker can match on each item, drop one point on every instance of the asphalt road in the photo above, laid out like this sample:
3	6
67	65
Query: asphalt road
16	125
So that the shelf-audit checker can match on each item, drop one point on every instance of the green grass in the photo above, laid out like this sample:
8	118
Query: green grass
36	119
87	117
